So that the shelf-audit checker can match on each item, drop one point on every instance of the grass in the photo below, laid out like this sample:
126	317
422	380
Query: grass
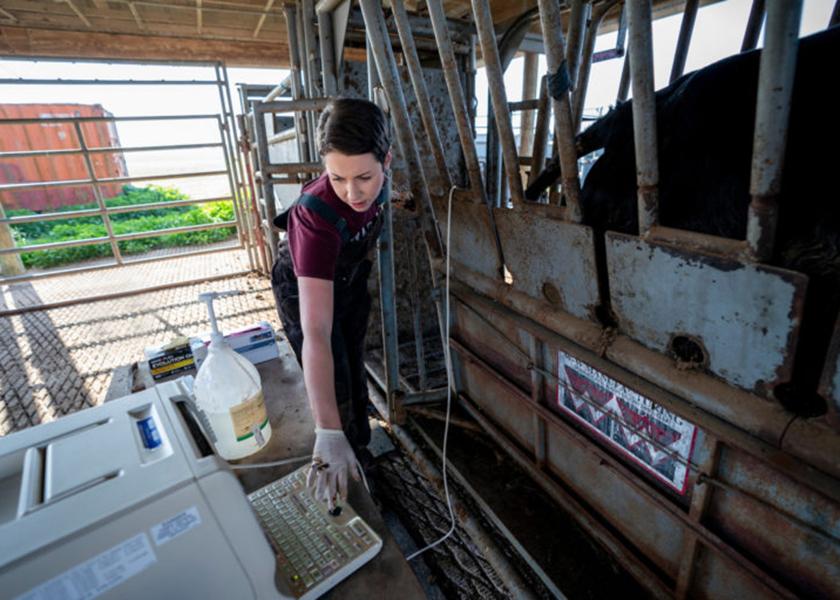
165	217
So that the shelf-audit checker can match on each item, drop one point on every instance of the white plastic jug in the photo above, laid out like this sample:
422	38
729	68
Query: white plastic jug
228	391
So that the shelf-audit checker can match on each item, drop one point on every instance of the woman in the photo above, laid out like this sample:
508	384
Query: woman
320	283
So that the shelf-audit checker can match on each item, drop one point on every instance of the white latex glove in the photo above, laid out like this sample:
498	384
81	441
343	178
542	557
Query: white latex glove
332	460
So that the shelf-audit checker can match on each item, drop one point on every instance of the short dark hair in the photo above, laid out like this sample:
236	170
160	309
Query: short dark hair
353	126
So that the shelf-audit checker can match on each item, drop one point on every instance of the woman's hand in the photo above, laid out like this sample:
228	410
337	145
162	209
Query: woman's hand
332	460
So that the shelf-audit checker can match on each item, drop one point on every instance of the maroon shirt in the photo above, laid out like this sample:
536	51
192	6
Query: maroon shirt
314	243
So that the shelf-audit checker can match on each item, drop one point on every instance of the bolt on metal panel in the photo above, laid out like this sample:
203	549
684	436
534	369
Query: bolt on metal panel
743	319
550	260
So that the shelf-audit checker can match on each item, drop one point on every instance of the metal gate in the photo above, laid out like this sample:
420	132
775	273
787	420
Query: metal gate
95	183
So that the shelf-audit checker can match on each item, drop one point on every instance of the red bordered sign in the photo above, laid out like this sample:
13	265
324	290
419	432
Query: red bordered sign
653	437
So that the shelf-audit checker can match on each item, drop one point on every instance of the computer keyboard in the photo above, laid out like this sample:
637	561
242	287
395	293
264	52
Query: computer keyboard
315	550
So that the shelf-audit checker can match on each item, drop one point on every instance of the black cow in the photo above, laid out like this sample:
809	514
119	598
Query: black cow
705	123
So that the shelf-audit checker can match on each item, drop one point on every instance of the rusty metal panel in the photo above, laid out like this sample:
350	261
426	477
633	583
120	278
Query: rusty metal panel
658	535
830	383
550	260
493	342
473	241
790	529
497	401
739	321
717	579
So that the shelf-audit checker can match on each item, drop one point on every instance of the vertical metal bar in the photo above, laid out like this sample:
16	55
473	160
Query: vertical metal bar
579	96
259	231
469	83
372	75
753	26
325	37
310	50
268	187
624	82
97	192
574	38
416	309
241	223
493	159
456	97
529	92
289	12
644	112
540	133
227	131
684	40
386	66
700	498
415	72
564	128
388	312
306	72
241	213
536	351
496	84
775	87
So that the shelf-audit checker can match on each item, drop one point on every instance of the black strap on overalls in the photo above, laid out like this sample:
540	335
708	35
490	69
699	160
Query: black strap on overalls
351	308
326	212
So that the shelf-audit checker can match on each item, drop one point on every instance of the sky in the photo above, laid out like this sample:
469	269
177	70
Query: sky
717	34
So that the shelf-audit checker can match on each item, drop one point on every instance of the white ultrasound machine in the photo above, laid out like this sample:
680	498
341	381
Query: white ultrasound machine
127	500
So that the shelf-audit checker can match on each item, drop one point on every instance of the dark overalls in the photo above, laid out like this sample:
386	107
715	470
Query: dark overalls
351	309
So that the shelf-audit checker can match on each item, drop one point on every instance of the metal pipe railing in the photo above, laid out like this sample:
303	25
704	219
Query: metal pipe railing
415	72
644	112
14	187
287	106
558	85
307	13
97	192
624	81
456	97
115	238
327	51
754	22
540	133
294	60
578	15
496	85
235	166
386	68
775	88
684	39
104	150
529	103
579	95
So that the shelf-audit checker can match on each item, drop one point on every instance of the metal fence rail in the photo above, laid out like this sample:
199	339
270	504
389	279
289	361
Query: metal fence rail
96	183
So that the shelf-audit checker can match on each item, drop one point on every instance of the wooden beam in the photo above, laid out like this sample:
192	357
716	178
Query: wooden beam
85	44
100	4
5	14
268	5
79	13
140	25
198	15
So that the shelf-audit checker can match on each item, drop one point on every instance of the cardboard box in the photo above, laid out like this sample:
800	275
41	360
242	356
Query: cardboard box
170	359
257	343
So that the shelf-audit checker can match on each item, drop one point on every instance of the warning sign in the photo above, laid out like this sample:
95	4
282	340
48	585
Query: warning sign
652	436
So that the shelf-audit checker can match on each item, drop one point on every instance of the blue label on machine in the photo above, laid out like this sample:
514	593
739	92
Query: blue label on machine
149	433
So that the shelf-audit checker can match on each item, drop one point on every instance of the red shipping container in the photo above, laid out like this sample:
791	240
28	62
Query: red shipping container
58	135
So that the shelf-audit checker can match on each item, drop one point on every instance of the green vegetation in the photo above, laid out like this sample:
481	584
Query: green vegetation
46	232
